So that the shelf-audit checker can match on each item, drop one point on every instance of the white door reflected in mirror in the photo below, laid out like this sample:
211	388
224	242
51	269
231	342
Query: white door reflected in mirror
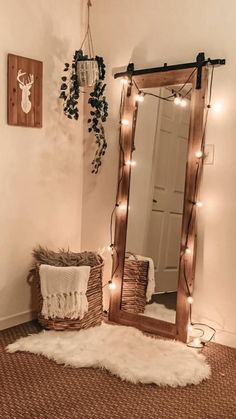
157	194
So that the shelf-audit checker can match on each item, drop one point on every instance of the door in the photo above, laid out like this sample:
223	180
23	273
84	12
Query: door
169	168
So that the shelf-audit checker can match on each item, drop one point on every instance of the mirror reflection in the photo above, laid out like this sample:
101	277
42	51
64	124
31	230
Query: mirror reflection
156	203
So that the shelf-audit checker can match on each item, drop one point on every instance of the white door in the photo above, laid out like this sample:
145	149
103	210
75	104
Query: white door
169	180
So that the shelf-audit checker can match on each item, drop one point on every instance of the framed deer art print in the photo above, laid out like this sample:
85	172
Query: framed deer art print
24	107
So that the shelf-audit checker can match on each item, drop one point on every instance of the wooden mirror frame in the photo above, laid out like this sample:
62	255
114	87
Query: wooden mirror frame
129	110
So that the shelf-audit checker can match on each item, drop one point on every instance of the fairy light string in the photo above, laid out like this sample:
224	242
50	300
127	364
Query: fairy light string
123	122
117	205
175	97
176	94
194	203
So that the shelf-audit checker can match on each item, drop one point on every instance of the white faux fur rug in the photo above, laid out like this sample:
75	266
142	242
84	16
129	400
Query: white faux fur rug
159	311
124	351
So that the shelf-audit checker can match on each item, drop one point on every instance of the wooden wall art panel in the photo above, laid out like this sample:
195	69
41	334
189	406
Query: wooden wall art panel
24	99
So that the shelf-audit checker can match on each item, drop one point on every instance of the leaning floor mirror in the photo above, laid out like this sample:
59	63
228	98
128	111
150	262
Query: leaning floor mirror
160	163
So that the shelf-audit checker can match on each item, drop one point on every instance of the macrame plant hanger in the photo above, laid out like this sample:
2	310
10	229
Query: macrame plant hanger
88	34
87	69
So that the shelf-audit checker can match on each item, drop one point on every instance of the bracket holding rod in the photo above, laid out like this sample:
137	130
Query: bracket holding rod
199	63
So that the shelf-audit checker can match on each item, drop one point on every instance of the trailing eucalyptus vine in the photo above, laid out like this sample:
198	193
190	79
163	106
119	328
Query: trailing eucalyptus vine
70	92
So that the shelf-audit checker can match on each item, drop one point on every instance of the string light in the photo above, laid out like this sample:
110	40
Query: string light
197	343
183	102
110	248
199	154
188	251
177	100
111	285
174	94
190	299
130	163
180	100
124	81
139	97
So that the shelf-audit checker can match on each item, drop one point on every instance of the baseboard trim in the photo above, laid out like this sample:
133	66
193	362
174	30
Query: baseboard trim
222	336
15	319
225	337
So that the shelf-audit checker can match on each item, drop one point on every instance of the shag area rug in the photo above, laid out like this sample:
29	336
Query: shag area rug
124	351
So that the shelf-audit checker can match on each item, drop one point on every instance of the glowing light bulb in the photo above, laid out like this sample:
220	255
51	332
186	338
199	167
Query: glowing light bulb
199	204
183	103
111	285
188	251
124	122
190	328
130	163
199	154
122	207
217	107
177	100
139	97
190	299
197	342
110	248
124	81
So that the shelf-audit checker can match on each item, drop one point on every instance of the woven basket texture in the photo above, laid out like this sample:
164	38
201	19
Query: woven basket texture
134	286
94	290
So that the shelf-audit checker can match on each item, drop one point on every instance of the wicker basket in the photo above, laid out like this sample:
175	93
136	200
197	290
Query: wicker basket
94	295
135	281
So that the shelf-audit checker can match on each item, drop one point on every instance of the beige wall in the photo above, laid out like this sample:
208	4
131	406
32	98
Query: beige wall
149	33
40	169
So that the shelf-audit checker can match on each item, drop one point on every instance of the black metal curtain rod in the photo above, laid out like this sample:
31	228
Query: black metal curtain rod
199	63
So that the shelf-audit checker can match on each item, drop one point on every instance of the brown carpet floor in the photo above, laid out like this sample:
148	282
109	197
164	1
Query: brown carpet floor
32	387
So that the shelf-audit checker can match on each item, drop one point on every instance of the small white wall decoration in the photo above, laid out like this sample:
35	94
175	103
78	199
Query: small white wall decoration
25	86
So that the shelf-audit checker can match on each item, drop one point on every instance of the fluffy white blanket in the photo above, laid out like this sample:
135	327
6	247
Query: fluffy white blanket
64	291
124	351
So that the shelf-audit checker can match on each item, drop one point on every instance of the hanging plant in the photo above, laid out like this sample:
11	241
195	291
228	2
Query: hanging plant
87	70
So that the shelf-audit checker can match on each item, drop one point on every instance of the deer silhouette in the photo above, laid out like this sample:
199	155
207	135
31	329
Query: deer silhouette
25	86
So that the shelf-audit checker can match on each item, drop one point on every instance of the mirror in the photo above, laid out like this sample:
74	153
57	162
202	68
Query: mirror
156	200
155	212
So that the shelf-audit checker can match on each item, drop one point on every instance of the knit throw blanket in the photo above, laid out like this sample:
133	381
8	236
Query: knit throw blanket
64	291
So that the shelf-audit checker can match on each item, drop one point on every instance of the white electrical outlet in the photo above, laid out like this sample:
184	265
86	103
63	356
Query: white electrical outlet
209	153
